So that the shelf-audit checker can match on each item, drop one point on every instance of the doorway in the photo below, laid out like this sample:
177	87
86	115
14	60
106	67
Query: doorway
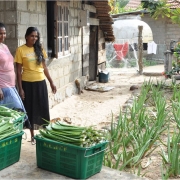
93	52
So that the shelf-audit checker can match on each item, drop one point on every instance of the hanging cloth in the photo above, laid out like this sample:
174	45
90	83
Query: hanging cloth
121	50
152	48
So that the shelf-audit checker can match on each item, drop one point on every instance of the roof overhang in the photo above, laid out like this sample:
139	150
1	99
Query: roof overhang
143	11
105	20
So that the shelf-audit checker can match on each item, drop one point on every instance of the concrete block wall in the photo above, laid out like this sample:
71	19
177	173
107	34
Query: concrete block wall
64	71
18	16
158	28
31	13
8	16
163	29
173	32
86	34
86	41
163	32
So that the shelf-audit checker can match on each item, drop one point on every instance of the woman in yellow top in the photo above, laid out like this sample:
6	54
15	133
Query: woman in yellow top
31	72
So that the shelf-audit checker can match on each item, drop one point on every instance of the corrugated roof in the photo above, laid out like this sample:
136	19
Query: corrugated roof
174	3
105	23
134	4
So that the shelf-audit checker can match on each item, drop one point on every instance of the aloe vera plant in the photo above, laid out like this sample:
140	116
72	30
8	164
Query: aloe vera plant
134	134
171	160
80	136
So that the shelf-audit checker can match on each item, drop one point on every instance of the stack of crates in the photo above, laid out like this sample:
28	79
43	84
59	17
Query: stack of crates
69	160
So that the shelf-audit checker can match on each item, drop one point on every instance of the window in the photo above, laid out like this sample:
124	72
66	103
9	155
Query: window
62	29
58	28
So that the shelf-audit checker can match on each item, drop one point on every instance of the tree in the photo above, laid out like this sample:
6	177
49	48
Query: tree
117	6
122	3
161	8
175	16
157	8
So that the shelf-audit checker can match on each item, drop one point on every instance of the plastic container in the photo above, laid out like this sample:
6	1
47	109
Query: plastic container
10	150
19	123
103	77
69	160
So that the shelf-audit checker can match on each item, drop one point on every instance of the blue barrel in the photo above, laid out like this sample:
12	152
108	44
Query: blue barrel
103	77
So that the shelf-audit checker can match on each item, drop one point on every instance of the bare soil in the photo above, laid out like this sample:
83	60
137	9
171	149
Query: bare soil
96	108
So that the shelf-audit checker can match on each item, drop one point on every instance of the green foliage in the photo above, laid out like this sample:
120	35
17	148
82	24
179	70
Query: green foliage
175	16
177	50
162	9
157	8
149	62
171	163
122	3
118	6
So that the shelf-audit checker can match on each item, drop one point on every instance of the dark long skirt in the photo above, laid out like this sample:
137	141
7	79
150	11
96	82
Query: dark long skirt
36	103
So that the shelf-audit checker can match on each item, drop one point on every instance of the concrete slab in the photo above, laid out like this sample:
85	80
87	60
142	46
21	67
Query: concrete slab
26	168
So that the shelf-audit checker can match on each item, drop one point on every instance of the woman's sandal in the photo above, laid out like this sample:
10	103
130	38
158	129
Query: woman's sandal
33	141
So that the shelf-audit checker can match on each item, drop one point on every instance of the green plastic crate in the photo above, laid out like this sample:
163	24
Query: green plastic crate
69	160
10	150
19	123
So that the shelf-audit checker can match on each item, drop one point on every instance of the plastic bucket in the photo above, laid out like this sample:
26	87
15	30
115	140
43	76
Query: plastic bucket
103	77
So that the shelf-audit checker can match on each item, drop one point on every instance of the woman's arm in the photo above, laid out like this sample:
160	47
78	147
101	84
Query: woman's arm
46	72
19	80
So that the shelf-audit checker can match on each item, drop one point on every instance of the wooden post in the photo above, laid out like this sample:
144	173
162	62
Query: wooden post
140	48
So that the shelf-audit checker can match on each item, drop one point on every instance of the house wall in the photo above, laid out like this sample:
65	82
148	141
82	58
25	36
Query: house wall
173	31
163	29
31	13
75	66
8	16
85	41
163	32
158	28
66	69
101	42
18	15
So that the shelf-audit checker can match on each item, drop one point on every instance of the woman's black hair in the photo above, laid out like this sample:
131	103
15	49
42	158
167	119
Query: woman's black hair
2	25
37	45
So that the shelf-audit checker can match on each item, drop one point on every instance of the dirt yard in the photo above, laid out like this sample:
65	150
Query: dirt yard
96	108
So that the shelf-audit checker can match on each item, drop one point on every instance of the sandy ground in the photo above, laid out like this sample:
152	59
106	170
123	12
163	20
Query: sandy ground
96	108
89	108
